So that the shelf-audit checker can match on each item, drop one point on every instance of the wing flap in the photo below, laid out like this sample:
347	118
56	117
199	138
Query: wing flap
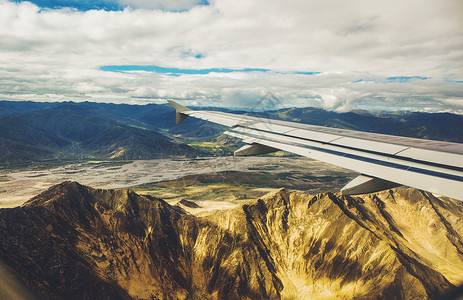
365	184
436	181
315	135
369	145
450	159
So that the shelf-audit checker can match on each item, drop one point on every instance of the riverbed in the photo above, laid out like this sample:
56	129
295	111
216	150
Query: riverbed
18	186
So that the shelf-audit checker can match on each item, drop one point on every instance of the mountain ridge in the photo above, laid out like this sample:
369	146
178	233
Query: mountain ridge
55	133
76	242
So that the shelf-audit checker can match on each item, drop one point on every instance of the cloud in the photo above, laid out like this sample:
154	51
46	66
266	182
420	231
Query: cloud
338	55
177	5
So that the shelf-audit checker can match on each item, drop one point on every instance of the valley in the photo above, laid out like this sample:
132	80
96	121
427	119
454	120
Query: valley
175	179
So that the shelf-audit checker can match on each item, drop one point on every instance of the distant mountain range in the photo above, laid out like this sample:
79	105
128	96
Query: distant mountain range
32	131
76	131
76	242
434	126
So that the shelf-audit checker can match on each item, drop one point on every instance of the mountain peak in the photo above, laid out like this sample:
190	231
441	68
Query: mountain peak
67	190
400	243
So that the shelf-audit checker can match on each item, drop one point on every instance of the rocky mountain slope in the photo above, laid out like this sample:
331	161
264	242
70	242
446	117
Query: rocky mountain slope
76	242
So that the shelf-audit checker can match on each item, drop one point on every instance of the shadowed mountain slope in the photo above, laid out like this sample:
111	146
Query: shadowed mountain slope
437	126
68	134
77	242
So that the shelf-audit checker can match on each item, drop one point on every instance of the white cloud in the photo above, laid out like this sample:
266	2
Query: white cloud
177	5
53	55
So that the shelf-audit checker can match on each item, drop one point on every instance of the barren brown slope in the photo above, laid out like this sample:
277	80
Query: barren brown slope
368	247
77	242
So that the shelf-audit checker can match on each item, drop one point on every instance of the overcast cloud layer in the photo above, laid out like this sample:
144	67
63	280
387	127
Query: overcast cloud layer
339	55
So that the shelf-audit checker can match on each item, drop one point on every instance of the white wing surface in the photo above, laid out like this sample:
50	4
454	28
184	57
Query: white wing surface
383	160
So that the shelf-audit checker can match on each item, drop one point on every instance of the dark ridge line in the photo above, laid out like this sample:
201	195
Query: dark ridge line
451	233
381	207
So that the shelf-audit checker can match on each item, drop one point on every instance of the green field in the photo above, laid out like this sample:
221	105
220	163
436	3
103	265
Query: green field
236	187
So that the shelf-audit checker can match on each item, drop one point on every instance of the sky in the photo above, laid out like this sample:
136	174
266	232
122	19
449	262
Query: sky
338	55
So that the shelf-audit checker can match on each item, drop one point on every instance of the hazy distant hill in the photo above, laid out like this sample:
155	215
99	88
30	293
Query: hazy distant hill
35	131
20	142
72	131
11	107
76	242
438	126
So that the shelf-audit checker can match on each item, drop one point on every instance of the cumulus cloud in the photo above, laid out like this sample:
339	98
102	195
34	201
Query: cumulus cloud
356	46
177	5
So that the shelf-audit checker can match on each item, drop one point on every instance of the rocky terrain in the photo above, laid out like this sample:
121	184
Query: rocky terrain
76	242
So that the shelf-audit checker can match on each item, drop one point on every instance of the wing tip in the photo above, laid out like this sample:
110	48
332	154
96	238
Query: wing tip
178	107
179	111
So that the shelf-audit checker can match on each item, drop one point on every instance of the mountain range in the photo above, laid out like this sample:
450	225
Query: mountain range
73	131
77	242
31	131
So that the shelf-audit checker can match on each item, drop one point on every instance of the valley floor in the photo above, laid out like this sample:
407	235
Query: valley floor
17	186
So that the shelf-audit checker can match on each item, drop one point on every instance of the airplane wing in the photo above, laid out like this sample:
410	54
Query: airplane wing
385	161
